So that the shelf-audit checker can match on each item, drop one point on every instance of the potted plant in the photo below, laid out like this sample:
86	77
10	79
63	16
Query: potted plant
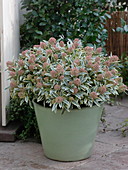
73	82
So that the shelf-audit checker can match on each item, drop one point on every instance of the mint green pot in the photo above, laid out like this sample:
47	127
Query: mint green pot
68	137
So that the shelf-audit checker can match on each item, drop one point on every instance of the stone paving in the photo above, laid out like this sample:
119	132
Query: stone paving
110	150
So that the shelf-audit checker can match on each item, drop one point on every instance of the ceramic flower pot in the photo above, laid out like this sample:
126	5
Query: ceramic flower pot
68	137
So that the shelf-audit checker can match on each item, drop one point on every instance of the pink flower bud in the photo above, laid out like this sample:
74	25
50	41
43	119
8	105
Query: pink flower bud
38	52
97	59
114	71
70	50
107	63
33	57
63	54
76	40
76	44
45	65
21	95
61	77
30	61
77	82
77	61
52	40
57	87
36	46
102	89
21	62
108	74
89	64
43	59
31	67
82	70
93	95
119	79
75	72
75	90
61	43
39	85
56	56
37	65
88	49
48	52
99	77
70	83
59	69
43	45
89	57
59	99
29	77
122	88
9	63
12	74
24	52
114	58
13	84
95	67
20	72
99	50
53	73
56	48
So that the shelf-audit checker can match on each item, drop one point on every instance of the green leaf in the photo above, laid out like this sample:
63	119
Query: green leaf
76	104
39	32
42	23
123	22
67	103
119	29
35	13
126	28
54	107
97	103
26	99
108	16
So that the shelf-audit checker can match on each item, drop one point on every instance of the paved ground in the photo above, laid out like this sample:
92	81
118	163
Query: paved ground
110	150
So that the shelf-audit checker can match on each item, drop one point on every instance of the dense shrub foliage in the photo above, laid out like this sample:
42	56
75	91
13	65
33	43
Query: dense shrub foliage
26	116
71	18
124	69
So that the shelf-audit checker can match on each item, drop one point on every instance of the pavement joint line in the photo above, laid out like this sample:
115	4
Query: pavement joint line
116	150
123	105
106	143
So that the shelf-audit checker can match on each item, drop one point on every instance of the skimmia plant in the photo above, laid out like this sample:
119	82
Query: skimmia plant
64	75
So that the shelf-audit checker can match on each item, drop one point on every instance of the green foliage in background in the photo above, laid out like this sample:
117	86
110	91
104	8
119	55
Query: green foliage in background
124	69
26	116
124	27
124	57
71	18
